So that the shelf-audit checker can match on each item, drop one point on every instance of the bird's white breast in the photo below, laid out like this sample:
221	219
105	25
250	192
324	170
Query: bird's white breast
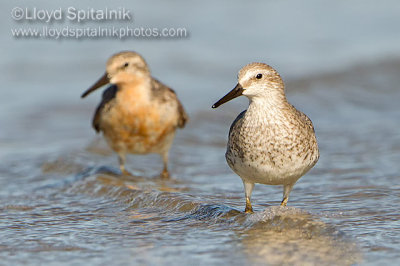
269	146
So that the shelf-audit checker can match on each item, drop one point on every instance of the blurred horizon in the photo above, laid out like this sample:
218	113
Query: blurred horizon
298	39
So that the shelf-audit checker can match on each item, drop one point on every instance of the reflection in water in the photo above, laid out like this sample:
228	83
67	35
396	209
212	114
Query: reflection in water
277	235
289	236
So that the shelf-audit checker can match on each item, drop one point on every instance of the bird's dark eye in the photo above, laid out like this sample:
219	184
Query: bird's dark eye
259	76
126	64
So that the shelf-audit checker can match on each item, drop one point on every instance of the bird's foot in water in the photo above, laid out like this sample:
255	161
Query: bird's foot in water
164	174
126	172
249	208
284	202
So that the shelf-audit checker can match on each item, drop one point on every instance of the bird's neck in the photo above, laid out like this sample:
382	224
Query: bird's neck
137	90
272	101
268	108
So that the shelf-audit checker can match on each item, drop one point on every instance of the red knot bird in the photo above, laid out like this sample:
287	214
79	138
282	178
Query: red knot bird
138	114
271	142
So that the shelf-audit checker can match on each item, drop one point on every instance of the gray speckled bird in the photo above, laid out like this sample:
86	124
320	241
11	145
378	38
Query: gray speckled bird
271	142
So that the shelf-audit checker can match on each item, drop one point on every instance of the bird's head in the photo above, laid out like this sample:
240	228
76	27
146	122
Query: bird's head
123	67
255	80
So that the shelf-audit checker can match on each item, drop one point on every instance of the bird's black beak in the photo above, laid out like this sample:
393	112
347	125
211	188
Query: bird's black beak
101	82
236	92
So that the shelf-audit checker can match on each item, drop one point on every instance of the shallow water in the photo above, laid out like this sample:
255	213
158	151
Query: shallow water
62	199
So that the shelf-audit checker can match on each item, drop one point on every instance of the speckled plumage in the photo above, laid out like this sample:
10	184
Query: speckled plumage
137	114
271	142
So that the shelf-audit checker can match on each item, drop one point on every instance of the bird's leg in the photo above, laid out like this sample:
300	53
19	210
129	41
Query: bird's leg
165	173
248	189
122	159
286	191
